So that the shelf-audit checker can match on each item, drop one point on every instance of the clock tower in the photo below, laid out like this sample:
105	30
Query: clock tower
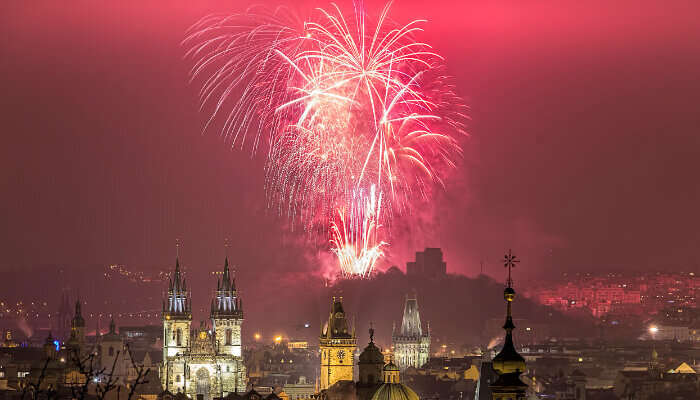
337	344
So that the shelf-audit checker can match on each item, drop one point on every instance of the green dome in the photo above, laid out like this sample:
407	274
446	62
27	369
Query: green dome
395	391
391	367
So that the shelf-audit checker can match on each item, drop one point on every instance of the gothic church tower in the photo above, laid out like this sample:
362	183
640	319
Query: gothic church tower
227	315
177	316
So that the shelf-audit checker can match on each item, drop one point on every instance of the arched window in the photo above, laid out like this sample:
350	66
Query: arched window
177	378
178	337
111	351
228	337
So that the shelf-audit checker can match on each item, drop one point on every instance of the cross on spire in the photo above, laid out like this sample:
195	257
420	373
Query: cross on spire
177	248
509	261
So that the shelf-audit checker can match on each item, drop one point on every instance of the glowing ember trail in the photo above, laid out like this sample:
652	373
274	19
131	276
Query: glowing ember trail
359	120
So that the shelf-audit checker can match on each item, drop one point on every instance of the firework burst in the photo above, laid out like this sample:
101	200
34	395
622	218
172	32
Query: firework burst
359	120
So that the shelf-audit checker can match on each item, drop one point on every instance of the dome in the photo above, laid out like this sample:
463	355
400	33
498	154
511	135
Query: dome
391	367
371	355
394	391
508	361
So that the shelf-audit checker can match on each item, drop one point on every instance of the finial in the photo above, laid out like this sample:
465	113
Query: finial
371	332
177	248
227	243
509	261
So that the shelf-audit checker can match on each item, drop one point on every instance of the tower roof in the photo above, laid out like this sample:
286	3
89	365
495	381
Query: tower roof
371	354
78	320
226	303
337	325
508	364
410	324
178	304
508	360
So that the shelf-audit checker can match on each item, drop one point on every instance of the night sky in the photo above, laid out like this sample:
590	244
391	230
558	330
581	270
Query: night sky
583	152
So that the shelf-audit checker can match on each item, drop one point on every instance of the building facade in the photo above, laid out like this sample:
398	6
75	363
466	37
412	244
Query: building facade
337	344
207	360
411	344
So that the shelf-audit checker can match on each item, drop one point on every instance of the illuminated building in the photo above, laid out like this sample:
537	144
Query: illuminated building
9	341
411	344
300	390
297	344
337	344
377	380
77	330
203	361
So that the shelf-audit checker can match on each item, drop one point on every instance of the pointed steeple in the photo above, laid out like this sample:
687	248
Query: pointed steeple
78	320
410	325
226	303
508	364
178	301
508	360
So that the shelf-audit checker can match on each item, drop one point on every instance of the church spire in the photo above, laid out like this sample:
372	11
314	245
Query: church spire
178	301
226	302
508	364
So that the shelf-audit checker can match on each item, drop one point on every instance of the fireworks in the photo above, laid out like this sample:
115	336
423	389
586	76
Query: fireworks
358	118
354	236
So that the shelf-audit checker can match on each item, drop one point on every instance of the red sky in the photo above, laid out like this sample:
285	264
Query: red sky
583	154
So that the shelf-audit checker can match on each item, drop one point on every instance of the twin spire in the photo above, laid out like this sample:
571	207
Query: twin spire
178	302
227	282
226	301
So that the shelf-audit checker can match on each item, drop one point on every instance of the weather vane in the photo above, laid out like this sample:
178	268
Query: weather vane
509	261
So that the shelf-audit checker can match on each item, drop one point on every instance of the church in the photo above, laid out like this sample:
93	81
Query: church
205	360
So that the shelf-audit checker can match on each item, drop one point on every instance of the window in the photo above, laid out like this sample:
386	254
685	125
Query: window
178	337
111	351
177	378
228	337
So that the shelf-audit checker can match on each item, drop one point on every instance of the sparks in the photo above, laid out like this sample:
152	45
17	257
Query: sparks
358	118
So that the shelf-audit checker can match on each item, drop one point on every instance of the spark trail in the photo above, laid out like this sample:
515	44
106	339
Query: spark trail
358	118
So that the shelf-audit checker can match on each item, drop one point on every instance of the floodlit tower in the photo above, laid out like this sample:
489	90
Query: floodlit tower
227	315
337	344
411	344
177	319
